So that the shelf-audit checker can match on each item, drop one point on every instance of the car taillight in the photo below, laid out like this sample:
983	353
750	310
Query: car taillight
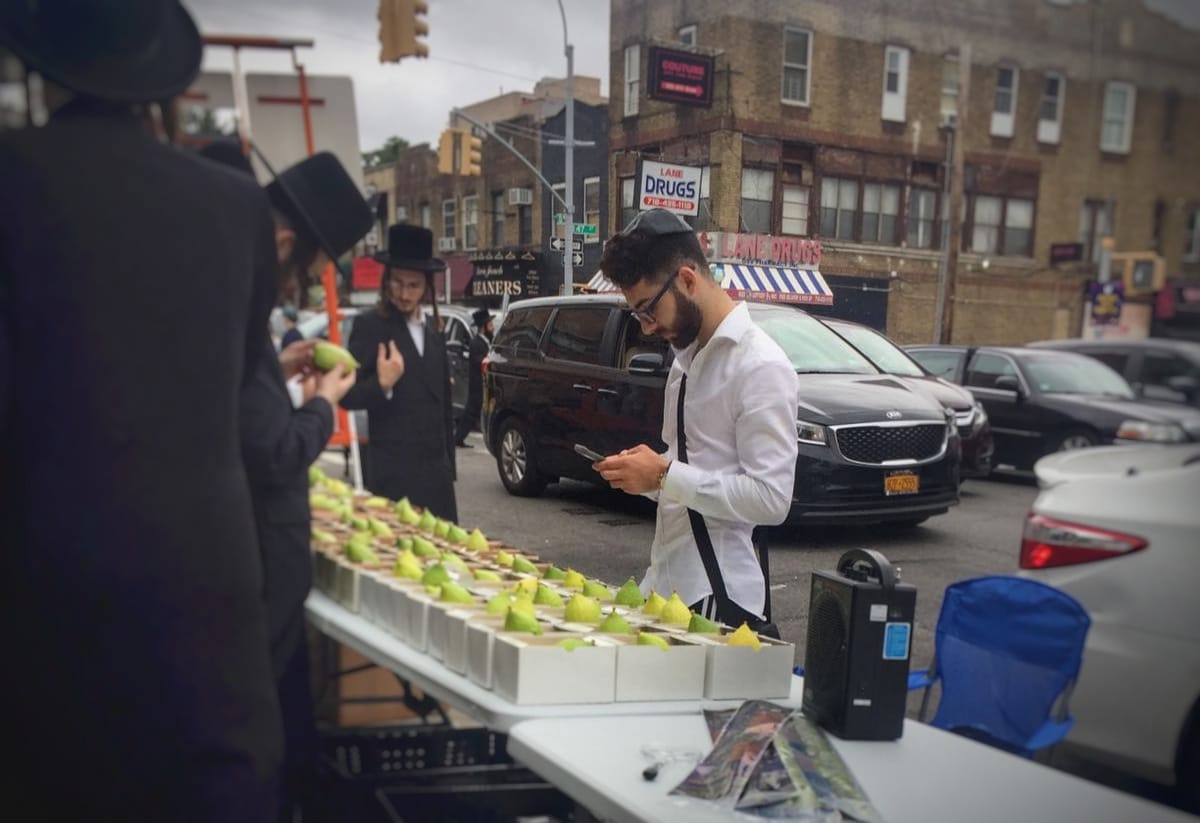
1048	542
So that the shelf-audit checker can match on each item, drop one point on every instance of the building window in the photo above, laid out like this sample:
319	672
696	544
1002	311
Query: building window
449	229
1116	124
591	207
795	210
497	219
1002	225
704	217
758	192
922	213
1191	247
1095	222
1004	104
797	54
425	215
687	35
1049	127
629	209
471	222
895	83
525	225
881	208
633	77
839	207
949	86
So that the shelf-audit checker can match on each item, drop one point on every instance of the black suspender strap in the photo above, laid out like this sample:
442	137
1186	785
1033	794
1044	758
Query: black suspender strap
727	610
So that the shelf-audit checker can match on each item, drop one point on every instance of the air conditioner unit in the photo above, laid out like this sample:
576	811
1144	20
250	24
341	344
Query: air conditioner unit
447	243
520	197
401	213
949	120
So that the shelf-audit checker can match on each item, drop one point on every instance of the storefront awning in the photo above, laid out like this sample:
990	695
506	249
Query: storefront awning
775	284
600	284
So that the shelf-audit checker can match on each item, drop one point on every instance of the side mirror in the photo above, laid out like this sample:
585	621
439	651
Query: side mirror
1008	382
648	364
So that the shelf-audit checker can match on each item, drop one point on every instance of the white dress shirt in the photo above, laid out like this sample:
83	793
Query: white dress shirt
416	328
740	415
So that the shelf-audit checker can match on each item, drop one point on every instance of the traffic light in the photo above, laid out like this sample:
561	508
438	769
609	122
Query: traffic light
460	152
447	162
400	26
472	154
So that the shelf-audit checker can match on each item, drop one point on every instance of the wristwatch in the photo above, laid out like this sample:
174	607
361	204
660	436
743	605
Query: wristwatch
662	478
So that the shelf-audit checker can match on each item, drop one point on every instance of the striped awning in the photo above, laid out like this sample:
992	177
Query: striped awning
775	284
599	283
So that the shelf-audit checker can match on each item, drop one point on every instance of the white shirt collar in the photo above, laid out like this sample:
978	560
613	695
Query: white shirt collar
732	327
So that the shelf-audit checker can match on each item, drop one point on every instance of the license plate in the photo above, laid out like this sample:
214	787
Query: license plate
901	483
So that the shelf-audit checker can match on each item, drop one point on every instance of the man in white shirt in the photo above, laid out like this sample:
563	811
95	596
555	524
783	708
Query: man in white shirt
740	399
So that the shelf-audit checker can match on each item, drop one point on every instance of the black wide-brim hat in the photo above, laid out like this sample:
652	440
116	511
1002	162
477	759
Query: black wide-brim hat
410	247
126	51
480	317
321	198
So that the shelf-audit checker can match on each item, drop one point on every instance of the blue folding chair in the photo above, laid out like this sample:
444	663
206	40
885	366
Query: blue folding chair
1006	654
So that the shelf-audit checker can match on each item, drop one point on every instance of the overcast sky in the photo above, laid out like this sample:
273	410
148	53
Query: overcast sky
477	48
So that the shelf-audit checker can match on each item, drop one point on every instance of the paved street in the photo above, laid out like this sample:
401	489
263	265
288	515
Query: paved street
607	534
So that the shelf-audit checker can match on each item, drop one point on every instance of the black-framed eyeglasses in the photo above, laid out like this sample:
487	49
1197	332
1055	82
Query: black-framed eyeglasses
646	312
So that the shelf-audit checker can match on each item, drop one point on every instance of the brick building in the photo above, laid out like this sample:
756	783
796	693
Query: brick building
493	229
830	120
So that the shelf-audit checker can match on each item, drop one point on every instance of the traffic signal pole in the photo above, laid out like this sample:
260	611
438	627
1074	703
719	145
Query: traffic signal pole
569	258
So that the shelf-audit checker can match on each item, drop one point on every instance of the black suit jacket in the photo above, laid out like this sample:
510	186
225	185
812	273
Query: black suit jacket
412	434
135	285
279	443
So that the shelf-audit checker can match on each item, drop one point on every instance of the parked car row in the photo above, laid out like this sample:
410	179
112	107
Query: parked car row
1041	400
578	369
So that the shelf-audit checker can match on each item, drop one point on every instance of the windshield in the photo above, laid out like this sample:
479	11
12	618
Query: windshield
808	343
1082	375
883	352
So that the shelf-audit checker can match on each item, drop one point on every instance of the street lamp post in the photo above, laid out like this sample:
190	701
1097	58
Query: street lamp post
569	148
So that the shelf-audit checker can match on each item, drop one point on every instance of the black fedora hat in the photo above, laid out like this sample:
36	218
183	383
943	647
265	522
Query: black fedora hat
480	317
131	51
410	247
319	196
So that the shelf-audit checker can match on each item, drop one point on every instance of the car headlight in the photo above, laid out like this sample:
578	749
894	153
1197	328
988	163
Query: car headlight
1151	432
980	415
812	433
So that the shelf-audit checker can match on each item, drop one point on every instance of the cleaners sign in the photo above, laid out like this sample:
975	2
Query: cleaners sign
674	188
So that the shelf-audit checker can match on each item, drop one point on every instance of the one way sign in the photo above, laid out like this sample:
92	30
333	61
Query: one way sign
560	244
576	258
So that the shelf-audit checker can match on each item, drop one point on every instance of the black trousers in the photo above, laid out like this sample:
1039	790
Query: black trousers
299	735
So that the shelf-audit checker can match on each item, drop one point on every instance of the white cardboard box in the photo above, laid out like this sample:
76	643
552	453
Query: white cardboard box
438	624
533	669
457	620
481	632
651	673
745	672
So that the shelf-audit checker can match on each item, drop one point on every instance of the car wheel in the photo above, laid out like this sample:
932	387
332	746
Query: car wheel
1074	439
516	461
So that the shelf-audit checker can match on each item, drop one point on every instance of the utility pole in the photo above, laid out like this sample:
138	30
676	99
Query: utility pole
568	258
957	167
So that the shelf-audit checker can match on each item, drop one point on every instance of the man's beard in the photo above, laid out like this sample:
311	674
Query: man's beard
687	321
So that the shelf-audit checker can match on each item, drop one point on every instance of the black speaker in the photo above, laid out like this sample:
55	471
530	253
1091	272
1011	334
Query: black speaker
860	622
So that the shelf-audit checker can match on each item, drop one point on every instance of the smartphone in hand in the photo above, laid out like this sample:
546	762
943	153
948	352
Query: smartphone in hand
588	453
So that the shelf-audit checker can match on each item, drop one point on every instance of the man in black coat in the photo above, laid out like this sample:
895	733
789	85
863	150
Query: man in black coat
319	214
481	343
135	286
404	382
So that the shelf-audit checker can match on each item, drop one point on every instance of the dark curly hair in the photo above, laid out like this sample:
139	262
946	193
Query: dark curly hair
639	255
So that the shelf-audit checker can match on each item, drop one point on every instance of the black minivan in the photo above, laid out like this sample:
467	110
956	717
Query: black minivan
567	370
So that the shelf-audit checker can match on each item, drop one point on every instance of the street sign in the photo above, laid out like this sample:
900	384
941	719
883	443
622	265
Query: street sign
560	217
576	258
584	228
560	244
